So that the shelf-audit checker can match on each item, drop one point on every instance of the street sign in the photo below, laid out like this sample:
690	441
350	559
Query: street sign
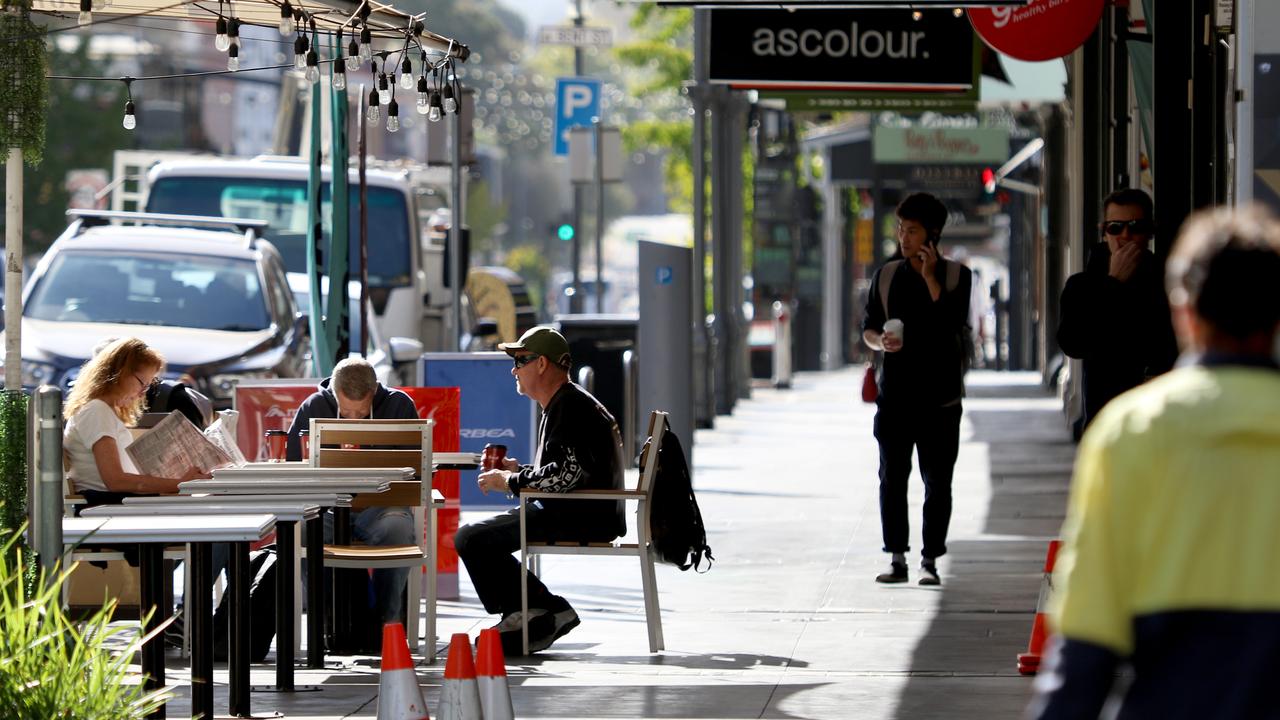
577	101
582	155
576	36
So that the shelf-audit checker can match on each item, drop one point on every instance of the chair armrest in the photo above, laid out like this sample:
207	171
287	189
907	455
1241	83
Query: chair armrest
400	493
437	498
584	495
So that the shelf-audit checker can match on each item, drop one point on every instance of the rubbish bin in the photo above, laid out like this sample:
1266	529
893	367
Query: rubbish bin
607	345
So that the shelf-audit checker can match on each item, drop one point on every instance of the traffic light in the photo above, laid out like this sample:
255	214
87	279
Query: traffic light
988	184
565	231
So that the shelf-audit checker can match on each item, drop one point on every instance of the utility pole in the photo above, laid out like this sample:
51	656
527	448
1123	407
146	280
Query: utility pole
575	300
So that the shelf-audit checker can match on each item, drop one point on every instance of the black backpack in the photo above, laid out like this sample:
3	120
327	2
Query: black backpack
675	523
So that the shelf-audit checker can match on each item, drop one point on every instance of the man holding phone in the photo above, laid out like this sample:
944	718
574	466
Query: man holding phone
918	320
1114	314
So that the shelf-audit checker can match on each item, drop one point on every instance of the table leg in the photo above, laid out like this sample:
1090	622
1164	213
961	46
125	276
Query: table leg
315	593
151	577
284	605
238	648
341	590
200	617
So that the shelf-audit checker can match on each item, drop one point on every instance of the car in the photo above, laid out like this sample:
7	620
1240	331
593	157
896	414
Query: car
208	293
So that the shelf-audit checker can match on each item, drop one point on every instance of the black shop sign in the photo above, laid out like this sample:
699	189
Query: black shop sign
858	50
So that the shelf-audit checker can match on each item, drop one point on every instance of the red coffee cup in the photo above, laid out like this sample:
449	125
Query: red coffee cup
493	456
304	436
277	441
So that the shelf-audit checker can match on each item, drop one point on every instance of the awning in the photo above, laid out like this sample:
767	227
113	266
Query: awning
385	22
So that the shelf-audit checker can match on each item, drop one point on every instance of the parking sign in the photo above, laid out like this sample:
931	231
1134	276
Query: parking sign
577	101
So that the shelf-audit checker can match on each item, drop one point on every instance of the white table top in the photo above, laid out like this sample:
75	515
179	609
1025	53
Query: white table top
167	528
283	511
463	460
282	486
321	499
304	472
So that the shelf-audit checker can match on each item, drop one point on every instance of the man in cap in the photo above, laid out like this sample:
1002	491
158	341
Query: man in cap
581	448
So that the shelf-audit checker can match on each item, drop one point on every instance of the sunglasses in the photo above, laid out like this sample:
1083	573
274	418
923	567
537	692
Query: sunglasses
1136	227
522	360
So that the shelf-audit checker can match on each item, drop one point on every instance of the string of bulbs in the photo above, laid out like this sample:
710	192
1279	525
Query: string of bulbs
436	84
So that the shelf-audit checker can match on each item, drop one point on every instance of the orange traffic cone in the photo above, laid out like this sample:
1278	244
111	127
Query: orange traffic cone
460	696
399	697
491	672
1029	661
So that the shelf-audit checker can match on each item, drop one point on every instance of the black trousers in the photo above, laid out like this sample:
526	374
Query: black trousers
934	433
486	549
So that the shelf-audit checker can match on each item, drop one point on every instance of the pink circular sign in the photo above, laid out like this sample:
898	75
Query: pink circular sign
1039	30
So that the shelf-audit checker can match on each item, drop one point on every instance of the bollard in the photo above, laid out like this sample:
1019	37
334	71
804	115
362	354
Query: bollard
781	345
587	378
46	510
629	379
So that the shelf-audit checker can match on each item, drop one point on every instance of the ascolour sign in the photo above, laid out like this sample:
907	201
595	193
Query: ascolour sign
841	49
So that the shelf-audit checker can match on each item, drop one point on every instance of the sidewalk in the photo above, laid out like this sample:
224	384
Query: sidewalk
789	623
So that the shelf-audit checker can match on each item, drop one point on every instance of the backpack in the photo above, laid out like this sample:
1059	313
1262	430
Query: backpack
675	523
169	395
262	609
952	281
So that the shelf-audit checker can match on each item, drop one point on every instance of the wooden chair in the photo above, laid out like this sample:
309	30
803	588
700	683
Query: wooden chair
381	444
642	548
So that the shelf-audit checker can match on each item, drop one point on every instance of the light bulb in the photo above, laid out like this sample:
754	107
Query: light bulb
372	114
313	67
384	92
916	15
130	122
353	55
221	42
300	52
287	26
433	114
233	58
86	12
233	32
957	12
406	74
366	43
393	116
450	105
339	78
424	97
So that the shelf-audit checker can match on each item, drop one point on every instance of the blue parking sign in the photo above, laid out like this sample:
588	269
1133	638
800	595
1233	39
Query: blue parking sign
577	101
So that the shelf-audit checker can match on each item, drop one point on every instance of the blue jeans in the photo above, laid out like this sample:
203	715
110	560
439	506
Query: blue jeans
381	526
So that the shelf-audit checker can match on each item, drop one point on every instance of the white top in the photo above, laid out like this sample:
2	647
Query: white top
167	528
94	421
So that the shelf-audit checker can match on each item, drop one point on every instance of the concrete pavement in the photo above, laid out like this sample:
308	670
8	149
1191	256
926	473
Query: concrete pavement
788	623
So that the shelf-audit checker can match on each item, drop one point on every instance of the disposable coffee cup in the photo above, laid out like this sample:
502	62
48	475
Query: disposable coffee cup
276	441
894	328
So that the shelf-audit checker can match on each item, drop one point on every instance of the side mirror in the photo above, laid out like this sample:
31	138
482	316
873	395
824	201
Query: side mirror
485	326
405	350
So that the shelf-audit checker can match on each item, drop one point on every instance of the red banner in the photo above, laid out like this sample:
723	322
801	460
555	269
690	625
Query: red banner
1039	30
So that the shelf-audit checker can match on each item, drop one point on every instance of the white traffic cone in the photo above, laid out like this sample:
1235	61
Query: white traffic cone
399	697
460	696
491	674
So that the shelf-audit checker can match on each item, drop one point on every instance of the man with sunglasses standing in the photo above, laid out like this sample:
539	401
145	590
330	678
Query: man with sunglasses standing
580	447
1114	314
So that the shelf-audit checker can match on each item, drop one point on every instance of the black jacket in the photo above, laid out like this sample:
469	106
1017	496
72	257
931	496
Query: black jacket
581	448
388	404
1122	331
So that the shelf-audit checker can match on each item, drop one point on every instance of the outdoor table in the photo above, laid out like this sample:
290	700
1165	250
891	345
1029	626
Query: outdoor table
455	460
303	479
288	514
152	533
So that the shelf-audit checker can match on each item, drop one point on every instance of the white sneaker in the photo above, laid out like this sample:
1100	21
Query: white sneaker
512	620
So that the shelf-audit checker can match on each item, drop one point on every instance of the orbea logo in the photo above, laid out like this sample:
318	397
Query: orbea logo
487	433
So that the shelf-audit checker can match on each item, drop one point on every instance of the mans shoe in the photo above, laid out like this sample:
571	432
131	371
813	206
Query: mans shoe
563	622
897	574
509	631
929	575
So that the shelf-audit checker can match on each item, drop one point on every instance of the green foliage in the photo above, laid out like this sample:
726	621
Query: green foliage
532	264
51	667
13	460
23	88
485	217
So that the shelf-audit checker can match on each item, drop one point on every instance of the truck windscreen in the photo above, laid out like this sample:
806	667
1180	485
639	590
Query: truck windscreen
283	204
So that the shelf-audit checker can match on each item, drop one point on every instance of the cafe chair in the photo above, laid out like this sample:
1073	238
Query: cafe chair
383	444
642	548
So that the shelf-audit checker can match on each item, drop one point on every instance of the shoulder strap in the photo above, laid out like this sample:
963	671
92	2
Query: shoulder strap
886	278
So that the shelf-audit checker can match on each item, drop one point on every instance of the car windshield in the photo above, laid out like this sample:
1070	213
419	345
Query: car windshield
283	204
192	291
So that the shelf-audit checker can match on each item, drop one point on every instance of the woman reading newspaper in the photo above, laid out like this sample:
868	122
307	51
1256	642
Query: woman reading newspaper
107	397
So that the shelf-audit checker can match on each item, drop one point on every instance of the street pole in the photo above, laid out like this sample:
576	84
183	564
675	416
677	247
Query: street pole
13	270
598	132
455	225
575	300
703	363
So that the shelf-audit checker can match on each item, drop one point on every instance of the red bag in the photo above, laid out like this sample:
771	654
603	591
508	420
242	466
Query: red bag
870	391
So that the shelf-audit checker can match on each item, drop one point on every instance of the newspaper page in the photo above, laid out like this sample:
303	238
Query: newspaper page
174	446
222	433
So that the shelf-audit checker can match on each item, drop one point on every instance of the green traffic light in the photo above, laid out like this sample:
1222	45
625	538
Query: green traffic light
565	232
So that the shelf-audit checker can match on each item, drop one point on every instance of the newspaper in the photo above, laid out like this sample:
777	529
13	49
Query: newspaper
175	445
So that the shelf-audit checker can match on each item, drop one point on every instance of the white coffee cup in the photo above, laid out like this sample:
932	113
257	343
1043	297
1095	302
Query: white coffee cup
893	327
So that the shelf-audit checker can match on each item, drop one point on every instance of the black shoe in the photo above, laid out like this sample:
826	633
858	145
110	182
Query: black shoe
929	575
509	631
563	622
897	574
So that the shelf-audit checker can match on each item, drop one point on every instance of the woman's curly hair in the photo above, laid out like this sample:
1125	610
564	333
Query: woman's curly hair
119	361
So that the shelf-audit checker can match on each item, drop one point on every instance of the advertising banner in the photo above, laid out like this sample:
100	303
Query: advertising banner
1039	30
492	412
914	145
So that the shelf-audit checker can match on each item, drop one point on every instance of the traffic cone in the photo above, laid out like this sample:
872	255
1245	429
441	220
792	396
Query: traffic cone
491	672
1029	661
399	697
460	696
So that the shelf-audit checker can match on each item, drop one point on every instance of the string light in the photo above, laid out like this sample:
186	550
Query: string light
373	114
233	58
424	96
366	44
353	55
339	76
450	104
957	12
406	74
130	121
313	67
916	15
384	91
393	116
233	32
221	41
300	52
433	113
287	25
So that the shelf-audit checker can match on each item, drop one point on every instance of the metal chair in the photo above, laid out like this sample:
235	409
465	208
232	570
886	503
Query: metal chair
380	444
642	548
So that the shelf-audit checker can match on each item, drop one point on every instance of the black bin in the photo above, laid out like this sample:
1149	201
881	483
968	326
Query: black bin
599	342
